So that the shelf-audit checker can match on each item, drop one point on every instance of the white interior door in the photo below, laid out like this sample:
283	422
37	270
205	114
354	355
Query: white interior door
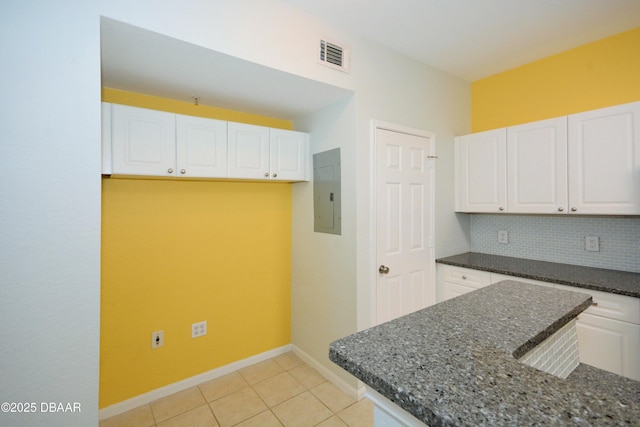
404	222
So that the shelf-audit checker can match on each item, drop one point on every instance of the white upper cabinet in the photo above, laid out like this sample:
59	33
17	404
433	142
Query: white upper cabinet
481	172
138	141
201	147
143	141
604	160
537	167
586	163
289	155
257	152
248	151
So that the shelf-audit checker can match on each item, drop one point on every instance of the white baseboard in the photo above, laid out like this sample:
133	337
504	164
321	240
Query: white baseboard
170	389
355	392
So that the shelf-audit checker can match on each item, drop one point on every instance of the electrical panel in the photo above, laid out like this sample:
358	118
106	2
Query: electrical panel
326	192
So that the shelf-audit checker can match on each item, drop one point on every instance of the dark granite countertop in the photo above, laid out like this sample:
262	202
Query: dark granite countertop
598	279
453	364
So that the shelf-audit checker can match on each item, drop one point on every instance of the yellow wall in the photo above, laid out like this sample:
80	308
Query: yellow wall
599	74
179	252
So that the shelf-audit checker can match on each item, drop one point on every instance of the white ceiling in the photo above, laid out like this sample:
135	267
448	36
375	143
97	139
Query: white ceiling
473	39
470	39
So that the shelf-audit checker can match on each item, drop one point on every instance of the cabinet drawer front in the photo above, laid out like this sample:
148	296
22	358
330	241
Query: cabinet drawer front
612	306
462	276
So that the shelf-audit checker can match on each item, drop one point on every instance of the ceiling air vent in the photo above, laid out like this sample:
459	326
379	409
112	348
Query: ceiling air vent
334	56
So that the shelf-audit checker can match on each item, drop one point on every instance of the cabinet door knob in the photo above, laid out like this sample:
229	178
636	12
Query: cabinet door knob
383	269
464	277
182	171
560	209
574	209
275	175
500	208
266	174
170	170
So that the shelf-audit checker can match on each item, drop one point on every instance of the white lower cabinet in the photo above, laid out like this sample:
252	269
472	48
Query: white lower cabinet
608	331
455	281
609	344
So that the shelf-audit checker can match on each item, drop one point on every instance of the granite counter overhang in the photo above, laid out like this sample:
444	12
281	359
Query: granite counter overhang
453	364
597	279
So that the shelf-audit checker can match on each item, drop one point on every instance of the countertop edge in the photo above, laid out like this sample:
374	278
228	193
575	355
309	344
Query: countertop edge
541	276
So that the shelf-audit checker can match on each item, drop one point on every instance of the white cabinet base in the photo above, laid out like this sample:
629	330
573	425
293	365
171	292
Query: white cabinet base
388	414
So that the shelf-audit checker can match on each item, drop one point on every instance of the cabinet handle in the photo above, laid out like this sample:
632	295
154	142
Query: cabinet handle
574	209
170	170
182	171
275	175
464	277
560	209
266	174
500	208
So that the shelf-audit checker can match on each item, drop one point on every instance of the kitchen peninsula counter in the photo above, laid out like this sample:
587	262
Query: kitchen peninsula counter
597	279
454	363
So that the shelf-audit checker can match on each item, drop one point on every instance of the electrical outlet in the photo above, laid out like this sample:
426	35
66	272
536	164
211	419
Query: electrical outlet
199	329
592	243
157	339
503	236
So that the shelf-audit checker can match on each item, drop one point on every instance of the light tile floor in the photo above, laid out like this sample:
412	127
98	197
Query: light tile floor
279	392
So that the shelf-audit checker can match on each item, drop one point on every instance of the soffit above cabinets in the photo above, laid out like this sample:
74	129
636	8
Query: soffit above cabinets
137	60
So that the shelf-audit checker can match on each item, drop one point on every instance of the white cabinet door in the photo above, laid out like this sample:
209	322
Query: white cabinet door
201	147
609	344
248	151
537	167
289	155
481	176
604	161
143	141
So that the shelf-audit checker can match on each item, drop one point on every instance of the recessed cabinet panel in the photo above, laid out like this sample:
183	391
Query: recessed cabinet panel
481	172
537	167
145	141
248	151
604	156
288	154
201	147
609	344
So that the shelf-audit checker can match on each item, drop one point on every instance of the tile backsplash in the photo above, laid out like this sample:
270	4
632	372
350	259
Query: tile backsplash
561	239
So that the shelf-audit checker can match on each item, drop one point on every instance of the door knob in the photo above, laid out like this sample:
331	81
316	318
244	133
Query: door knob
383	269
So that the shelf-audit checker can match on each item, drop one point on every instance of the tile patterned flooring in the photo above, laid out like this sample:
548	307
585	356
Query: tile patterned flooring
279	392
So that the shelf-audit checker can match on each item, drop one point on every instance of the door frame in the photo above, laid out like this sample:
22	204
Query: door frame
382	125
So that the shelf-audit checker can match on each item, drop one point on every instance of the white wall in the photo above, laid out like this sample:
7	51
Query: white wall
49	209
